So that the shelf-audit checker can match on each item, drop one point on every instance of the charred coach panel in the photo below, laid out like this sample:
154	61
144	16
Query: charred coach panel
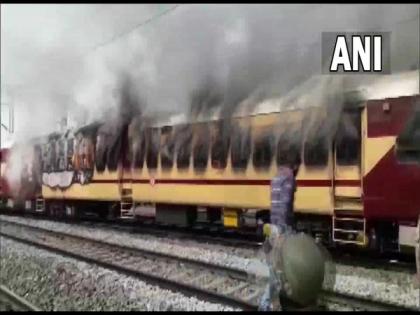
4	185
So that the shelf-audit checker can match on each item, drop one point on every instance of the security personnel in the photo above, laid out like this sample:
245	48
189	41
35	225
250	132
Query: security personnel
297	268
283	188
271	297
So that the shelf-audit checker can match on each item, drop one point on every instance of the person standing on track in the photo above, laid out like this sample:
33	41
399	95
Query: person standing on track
283	188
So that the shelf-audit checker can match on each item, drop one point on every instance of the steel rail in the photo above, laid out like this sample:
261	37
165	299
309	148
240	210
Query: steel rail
171	284
239	274
327	296
15	302
157	230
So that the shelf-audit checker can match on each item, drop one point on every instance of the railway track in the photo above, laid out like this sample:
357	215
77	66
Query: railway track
202	234
207	281
9	301
350	257
362	304
204	280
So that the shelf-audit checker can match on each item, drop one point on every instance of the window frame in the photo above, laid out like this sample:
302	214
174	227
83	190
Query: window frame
321	142
342	137
201	140
168	132
262	138
153	137
184	135
409	146
238	131
219	140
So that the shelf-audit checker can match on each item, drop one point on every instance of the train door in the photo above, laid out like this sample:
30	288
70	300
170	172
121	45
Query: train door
348	223
126	178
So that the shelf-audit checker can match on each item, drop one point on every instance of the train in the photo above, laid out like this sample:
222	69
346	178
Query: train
358	183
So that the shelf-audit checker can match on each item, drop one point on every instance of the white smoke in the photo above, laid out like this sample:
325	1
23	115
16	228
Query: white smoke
251	52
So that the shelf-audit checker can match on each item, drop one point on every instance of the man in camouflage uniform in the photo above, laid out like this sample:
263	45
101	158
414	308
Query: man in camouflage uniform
283	188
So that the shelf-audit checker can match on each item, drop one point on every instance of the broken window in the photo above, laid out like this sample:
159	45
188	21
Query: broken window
37	165
152	148
139	149
316	148
51	156
114	154
408	141
289	145
87	153
70	152
101	152
167	148
220	144
348	140
61	155
114	150
184	137
263	151
45	158
241	148
201	147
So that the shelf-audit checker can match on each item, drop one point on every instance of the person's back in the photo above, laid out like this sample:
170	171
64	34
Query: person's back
281	221
282	198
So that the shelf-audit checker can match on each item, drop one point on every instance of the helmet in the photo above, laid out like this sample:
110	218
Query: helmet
302	266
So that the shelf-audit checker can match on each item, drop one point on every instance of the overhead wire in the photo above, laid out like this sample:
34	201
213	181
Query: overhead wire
122	34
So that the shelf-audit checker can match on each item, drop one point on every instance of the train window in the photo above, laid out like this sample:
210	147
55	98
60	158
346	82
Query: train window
348	140
408	141
114	151
153	148
408	156
45	158
126	149
52	156
101	151
316	149
70	151
139	150
220	145
167	148
241	148
62	156
70	147
201	147
61	145
263	151
288	145
37	166
184	137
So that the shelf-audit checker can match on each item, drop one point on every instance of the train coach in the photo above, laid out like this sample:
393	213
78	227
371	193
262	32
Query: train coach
4	186
357	184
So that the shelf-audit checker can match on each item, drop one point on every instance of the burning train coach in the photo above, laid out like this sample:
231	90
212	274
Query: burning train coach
358	185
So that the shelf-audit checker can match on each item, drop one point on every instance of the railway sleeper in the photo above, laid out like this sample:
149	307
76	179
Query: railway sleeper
236	288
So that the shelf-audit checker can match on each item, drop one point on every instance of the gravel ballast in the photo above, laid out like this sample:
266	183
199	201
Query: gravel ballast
216	254
56	283
383	285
